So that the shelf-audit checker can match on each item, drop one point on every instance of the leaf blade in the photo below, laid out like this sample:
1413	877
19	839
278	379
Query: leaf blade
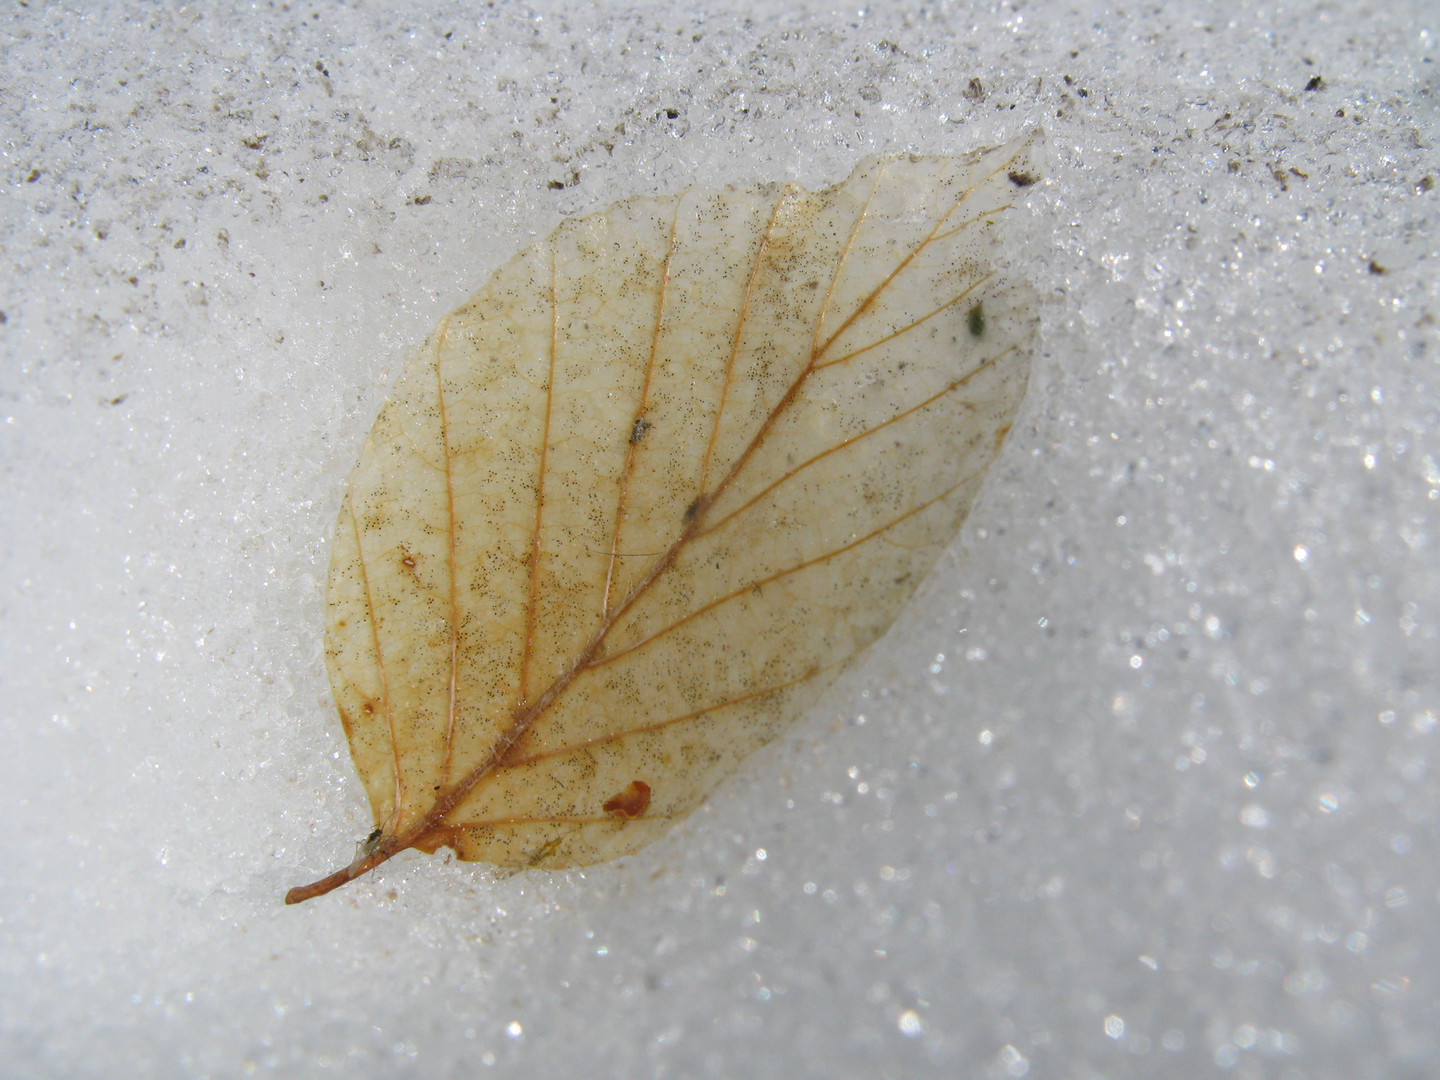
603	554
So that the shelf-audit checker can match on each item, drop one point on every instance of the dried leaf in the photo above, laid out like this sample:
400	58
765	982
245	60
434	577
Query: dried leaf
639	501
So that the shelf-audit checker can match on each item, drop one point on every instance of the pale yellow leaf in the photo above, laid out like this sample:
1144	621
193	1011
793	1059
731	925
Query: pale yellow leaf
638	502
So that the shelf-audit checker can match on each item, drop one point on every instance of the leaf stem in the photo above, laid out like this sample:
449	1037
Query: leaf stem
383	851
300	893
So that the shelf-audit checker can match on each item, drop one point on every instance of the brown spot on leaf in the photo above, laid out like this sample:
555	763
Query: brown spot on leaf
630	803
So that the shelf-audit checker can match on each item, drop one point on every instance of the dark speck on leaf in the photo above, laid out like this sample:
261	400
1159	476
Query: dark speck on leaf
692	510
1315	83
976	321
638	431
1022	179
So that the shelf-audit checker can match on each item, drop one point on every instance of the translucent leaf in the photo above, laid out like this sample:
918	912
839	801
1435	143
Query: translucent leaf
637	503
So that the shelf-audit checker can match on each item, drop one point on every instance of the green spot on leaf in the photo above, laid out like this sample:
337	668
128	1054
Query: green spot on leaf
976	321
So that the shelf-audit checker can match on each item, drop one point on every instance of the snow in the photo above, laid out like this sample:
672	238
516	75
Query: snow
1141	784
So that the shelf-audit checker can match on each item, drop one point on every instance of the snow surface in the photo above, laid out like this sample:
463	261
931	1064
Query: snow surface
1144	783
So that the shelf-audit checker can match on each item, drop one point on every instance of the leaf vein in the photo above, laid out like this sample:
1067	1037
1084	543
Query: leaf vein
950	389
609	658
739	332
602	740
452	703
929	239
399	788
528	645
631	447
906	328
